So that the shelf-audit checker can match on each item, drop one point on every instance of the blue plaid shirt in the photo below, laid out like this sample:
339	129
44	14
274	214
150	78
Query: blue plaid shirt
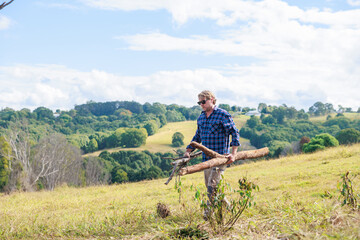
214	132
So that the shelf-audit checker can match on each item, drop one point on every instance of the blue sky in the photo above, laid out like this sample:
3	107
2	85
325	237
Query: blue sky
59	53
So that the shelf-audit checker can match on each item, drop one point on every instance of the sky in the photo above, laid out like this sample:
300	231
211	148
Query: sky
62	53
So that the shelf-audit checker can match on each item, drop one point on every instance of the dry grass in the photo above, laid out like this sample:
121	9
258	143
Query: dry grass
291	204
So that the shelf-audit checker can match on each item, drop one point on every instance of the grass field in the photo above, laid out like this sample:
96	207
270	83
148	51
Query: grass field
298	199
352	116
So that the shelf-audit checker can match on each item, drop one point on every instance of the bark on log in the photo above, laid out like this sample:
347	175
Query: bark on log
208	152
220	159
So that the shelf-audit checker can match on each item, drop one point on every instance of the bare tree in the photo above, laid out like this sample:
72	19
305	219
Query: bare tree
19	138
51	161
4	4
55	162
95	171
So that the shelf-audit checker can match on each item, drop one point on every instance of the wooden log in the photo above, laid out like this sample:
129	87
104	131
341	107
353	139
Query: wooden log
218	161
208	152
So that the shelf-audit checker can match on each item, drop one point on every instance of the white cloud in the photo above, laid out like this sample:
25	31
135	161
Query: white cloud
303	56
299	51
228	12
354	3
4	22
56	87
126	5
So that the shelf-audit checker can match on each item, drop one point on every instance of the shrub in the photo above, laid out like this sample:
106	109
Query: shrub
348	136
320	142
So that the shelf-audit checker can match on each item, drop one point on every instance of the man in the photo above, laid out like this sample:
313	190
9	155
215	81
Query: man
214	127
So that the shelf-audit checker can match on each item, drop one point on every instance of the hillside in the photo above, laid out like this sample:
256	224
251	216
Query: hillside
294	202
161	141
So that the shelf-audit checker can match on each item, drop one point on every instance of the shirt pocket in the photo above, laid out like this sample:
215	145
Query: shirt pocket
215	127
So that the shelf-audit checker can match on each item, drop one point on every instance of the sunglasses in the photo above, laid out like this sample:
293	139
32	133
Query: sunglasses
201	102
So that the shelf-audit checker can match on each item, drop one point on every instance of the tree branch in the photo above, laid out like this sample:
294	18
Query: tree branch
5	4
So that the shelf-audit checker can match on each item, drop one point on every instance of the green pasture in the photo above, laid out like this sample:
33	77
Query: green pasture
352	116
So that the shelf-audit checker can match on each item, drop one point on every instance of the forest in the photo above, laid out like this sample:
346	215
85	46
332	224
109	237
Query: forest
42	149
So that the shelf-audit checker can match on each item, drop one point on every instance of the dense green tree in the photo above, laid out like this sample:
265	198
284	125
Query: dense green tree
253	122
348	136
115	139
151	127
153	172
162	119
329	108
118	175
8	114
246	132
92	146
317	109
342	122
158	108
235	108
174	116
302	115
225	107
279	114
268	120
134	137
177	139
291	113
45	114
194	112
5	153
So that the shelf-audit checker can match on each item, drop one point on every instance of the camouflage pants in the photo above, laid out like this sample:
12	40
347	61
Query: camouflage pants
212	178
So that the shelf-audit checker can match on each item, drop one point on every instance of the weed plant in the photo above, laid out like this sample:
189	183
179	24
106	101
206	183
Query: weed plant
347	192
223	213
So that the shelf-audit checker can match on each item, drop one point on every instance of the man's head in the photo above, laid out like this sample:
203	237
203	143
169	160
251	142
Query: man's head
207	95
207	101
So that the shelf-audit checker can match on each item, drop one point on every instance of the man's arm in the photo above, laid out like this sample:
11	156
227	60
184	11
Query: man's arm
231	156
235	138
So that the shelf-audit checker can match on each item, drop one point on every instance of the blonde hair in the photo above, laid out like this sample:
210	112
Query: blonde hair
207	95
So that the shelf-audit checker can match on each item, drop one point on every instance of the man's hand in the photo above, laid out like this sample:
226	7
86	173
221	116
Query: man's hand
187	154
231	158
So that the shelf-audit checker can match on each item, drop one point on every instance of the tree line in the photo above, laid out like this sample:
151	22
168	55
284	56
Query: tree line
41	149
286	130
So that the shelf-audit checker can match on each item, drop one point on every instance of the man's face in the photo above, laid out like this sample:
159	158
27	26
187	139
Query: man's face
208	105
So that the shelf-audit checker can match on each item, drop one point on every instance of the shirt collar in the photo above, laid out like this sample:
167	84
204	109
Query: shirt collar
215	108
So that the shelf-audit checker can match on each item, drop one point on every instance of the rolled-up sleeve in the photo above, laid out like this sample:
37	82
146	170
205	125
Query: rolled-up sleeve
231	129
196	138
